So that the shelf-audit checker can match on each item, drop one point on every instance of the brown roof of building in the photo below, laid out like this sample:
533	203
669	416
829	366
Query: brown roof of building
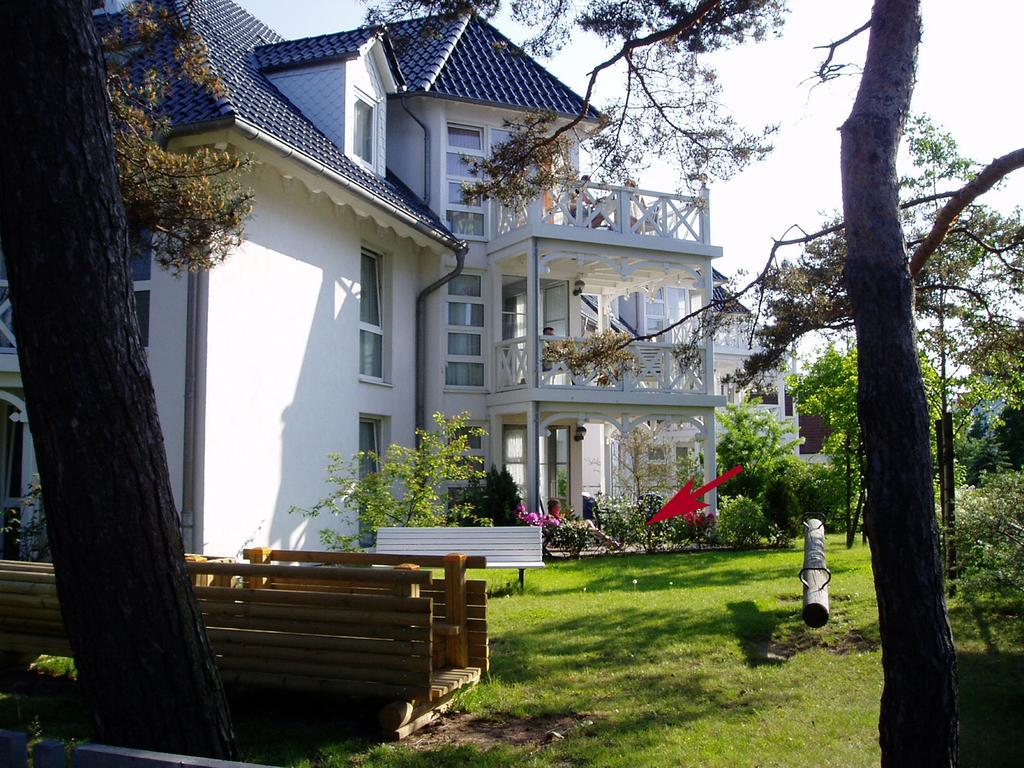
814	431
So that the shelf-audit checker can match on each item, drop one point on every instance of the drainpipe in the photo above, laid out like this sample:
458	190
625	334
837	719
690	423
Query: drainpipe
421	332
188	521
426	147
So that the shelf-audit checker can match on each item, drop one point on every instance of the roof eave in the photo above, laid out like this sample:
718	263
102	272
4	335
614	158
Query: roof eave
285	149
499	104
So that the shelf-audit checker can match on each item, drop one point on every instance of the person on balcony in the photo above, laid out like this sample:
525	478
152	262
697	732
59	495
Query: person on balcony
544	364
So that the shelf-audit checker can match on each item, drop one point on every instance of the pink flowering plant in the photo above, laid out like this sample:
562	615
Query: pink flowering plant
537	518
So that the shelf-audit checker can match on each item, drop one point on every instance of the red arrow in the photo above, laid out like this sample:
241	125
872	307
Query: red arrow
687	501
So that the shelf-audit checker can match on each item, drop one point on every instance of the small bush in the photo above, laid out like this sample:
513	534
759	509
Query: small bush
741	522
571	536
496	499
782	508
821	491
625	520
990	535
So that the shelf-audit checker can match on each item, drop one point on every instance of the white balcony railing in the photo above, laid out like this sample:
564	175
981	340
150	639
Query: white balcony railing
607	208
735	336
656	369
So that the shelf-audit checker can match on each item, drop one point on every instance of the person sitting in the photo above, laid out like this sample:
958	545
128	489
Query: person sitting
555	509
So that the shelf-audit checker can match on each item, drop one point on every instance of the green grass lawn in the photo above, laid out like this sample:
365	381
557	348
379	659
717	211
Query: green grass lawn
665	660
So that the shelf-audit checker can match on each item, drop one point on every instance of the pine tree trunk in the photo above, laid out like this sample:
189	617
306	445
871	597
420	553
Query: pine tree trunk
143	657
918	720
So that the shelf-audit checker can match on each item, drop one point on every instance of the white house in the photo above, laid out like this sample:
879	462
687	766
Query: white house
337	325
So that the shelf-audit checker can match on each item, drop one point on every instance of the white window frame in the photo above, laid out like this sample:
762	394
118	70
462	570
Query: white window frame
144	286
379	330
457	205
371	104
378	424
651	315
478	330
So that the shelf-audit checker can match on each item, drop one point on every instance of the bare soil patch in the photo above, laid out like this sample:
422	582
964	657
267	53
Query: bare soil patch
483	732
852	642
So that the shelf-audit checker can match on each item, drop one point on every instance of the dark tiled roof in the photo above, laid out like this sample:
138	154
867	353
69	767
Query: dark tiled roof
231	35
339	45
469	59
733	307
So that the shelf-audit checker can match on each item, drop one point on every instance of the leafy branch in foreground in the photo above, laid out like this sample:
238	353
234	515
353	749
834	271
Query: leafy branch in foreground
192	203
402	486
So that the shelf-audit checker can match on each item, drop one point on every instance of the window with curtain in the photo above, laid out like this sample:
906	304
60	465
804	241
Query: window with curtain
371	330
513	441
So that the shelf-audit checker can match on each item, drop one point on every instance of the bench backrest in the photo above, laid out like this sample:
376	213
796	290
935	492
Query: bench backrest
500	545
468	595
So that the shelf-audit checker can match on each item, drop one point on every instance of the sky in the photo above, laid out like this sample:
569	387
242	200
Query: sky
969	70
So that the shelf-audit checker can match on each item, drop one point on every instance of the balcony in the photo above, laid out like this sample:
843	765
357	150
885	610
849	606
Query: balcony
656	370
606	213
735	338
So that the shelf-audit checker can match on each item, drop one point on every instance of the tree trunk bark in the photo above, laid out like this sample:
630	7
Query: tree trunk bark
140	645
918	719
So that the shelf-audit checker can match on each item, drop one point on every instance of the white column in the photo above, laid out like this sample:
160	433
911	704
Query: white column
710	461
709	342
495	443
532	459
575	473
532	321
705	215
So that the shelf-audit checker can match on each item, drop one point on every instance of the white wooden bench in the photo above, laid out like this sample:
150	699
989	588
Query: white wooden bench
517	546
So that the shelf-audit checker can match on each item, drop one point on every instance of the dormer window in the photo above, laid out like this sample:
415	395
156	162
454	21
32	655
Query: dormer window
363	138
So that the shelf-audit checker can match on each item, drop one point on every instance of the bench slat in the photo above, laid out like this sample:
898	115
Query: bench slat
504	547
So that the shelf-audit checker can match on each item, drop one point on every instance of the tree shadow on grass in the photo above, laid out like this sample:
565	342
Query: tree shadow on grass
755	628
991	709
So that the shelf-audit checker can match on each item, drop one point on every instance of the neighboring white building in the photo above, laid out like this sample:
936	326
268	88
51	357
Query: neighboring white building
305	340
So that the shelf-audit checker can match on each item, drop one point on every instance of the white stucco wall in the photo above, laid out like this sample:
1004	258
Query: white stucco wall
168	301
282	385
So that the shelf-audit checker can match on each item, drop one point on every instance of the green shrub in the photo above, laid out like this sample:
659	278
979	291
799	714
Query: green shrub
404	486
496	499
625	520
571	536
741	522
821	491
782	508
990	535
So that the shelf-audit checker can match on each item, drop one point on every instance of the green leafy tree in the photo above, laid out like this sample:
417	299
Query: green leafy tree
756	439
828	387
969	301
403	486
990	535
66	248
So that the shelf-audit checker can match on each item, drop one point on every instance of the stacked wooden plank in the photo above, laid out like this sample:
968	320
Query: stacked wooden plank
474	598
30	620
349	630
